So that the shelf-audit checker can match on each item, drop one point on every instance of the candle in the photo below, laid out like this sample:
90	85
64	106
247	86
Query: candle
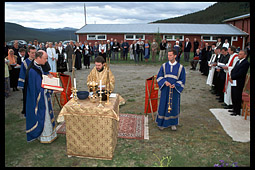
74	82
100	85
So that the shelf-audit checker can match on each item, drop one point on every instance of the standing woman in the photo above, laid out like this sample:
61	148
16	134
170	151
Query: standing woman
13	69
52	58
95	50
90	52
86	55
146	50
102	50
61	63
78	53
131	52
7	78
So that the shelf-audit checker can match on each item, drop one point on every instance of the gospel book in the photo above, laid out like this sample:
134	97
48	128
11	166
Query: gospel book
51	83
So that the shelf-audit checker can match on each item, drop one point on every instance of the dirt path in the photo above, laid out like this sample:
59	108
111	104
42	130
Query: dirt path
199	141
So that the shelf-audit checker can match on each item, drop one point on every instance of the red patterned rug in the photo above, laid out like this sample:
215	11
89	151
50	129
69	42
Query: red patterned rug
131	126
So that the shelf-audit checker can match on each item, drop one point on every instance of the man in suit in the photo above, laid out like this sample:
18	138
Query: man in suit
205	57
115	49
108	49
237	78
125	47
69	52
195	45
187	48
221	73
162	51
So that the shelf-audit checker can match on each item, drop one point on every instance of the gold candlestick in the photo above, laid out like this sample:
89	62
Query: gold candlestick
108	91
74	90
108	97
100	99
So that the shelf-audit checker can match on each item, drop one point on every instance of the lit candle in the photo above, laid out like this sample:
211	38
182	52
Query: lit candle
100	85
75	83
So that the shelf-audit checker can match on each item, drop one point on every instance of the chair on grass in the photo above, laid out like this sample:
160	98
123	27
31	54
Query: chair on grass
246	89
246	97
247	110
198	65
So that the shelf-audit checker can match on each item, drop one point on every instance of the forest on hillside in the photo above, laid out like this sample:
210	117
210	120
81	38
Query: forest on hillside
214	14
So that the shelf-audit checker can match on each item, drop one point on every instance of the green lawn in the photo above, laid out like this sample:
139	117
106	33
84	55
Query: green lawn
200	143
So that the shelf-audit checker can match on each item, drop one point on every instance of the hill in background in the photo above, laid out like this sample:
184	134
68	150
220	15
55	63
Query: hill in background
214	14
17	32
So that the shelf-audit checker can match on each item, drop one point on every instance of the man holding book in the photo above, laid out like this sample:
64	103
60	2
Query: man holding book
40	122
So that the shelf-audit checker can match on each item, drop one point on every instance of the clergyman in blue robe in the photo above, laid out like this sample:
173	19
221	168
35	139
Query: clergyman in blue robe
171	74
40	122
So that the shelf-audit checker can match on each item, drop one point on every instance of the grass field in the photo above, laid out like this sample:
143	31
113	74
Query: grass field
200	141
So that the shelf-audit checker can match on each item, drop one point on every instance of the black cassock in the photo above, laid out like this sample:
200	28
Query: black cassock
61	63
78	53
86	55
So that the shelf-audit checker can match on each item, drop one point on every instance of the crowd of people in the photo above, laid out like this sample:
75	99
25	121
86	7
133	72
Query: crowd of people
60	59
226	69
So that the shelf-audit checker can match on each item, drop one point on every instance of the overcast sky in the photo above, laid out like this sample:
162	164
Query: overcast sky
71	14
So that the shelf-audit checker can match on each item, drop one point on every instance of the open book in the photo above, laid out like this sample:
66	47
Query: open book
51	83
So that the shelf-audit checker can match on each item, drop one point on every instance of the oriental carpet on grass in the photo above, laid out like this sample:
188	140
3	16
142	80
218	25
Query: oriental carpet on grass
131	126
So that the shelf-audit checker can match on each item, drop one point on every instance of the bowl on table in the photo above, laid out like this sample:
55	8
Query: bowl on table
82	95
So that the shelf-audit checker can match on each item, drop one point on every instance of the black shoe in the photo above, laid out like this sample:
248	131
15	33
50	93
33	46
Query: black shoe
231	111
224	104
217	94
14	89
230	106
221	101
227	107
17	89
235	114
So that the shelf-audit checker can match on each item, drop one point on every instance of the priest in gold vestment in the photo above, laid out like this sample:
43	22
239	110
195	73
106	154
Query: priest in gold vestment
99	72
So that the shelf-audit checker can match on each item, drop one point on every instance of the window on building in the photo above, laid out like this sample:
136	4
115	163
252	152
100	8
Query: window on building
234	38
96	37
101	37
209	38
137	36
91	37
134	36
173	37
181	37
129	36
168	37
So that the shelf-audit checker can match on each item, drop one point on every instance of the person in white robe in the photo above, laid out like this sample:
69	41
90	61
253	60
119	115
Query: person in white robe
229	66
212	63
52	58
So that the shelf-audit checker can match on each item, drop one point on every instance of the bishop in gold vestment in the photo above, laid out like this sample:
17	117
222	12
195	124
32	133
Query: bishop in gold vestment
99	72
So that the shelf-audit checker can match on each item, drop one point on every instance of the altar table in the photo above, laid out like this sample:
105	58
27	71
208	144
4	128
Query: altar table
91	131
